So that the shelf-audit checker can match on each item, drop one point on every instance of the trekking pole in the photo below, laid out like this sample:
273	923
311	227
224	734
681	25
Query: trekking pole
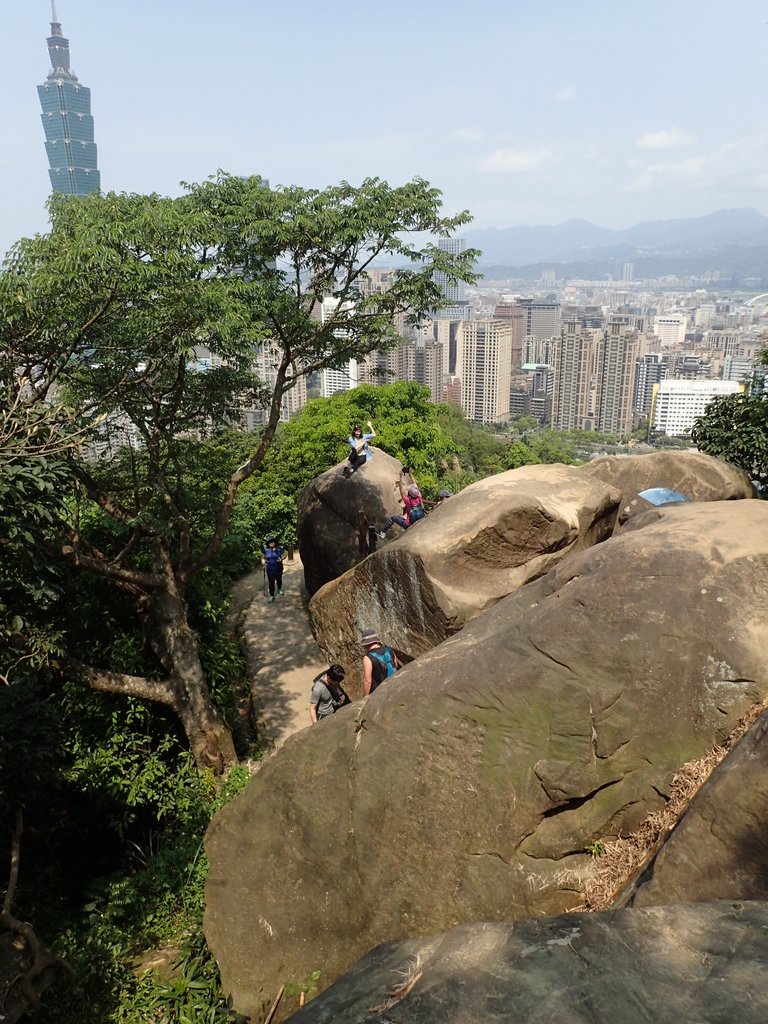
264	574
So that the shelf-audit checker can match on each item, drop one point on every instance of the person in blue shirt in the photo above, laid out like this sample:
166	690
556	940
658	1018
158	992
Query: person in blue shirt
359	452
272	558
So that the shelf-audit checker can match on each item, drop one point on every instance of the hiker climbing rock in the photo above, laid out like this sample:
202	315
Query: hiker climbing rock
379	662
328	695
359	452
412	501
272	558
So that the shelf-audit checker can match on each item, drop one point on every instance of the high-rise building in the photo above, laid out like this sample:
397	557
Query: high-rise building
484	365
453	291
541	318
515	314
616	372
651	369
67	122
573	357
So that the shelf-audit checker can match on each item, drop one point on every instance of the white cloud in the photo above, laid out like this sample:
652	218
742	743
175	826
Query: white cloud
509	161
468	134
564	94
666	138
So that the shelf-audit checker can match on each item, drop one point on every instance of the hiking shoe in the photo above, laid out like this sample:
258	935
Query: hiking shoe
270	600
281	593
381	534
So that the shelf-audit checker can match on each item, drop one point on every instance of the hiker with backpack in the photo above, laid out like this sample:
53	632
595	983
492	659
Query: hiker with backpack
379	662
359	452
413	502
328	695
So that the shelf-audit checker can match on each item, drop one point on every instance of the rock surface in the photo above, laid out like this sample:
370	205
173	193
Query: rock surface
476	548
328	515
467	787
697	476
719	848
705	963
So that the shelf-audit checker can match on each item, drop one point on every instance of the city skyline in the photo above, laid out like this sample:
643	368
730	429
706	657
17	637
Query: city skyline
611	115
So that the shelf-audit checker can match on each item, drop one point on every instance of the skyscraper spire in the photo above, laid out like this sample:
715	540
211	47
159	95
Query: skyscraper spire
67	121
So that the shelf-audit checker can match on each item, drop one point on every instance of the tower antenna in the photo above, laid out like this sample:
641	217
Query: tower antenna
54	16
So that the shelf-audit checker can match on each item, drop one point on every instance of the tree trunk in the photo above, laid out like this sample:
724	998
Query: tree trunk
175	644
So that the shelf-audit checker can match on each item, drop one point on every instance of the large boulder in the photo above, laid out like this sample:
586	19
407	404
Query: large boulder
328	515
474	549
696	476
719	848
468	787
671	965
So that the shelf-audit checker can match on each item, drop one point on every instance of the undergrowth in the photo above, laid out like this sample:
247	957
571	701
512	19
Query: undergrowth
154	904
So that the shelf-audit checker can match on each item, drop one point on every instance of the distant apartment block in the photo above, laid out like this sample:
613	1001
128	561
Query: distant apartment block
67	122
651	370
483	364
541	319
678	403
454	291
573	357
346	375
616	371
669	328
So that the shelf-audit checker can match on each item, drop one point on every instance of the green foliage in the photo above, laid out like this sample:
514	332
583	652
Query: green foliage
735	428
306	985
406	427
157	903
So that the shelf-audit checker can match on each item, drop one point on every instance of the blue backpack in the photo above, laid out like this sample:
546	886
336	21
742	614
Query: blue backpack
383	662
417	512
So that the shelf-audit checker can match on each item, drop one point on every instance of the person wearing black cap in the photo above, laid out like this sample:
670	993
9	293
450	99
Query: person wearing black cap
379	662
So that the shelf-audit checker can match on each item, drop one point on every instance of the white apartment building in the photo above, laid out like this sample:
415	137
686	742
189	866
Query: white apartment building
484	366
347	376
677	404
455	291
670	329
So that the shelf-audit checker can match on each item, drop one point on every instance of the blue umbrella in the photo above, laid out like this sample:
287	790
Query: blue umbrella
662	496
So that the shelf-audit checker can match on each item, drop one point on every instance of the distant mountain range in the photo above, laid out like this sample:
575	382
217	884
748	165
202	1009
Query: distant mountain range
719	240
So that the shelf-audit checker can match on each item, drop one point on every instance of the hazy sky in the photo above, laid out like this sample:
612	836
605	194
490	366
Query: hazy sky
521	111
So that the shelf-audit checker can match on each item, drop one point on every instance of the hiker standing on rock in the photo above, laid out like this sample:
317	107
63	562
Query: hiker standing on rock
379	662
413	502
272	558
328	695
359	452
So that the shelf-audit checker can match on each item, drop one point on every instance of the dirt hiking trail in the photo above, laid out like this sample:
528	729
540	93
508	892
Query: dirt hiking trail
281	655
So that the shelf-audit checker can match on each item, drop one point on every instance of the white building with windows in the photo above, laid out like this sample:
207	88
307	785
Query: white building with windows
677	404
670	329
484	365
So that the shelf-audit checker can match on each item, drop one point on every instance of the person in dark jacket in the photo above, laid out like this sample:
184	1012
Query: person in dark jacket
272	558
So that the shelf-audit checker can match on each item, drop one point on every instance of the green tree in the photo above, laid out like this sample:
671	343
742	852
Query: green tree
113	307
735	428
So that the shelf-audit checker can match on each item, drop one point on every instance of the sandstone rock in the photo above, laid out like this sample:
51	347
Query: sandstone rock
468	786
470	552
328	515
671	965
697	476
719	848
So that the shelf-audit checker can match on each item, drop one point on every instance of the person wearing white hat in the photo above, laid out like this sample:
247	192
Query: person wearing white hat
379	662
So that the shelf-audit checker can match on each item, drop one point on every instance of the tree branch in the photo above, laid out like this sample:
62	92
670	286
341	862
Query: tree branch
160	692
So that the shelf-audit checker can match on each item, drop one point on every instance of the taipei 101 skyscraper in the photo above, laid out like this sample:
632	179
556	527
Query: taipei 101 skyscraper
67	122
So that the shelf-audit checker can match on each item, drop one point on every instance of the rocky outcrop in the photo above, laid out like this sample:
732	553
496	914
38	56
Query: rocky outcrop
719	848
328	515
697	476
474	549
468	787
671	965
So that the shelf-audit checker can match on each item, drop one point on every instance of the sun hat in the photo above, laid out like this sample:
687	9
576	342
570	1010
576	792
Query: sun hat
370	636
413	491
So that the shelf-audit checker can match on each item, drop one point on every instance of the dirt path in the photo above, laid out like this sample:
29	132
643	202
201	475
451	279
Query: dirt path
282	657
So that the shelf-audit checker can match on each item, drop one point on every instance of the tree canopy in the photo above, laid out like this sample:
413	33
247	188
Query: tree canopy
158	321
